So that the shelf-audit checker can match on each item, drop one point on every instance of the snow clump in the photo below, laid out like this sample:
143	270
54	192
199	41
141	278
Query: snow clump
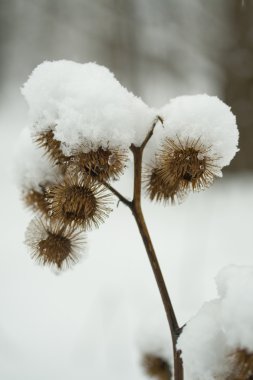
235	287
201	118
221	327
85	105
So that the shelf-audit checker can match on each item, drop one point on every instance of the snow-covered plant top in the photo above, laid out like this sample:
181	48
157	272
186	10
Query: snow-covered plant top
85	122
85	104
85	125
219	339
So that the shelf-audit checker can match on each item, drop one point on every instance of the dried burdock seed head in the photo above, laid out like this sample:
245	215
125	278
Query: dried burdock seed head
188	163
242	365
181	166
156	366
102	164
52	147
79	201
158	190
35	200
54	244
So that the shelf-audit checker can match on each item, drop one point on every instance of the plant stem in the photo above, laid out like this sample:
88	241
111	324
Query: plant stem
135	207
117	193
171	317
138	215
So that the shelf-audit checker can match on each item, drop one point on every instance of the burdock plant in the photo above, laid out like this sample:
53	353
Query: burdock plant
84	127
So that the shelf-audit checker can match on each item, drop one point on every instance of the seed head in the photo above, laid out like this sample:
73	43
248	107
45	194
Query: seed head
180	166
53	244
160	191
242	365
79	201
52	147
156	366
35	200
102	164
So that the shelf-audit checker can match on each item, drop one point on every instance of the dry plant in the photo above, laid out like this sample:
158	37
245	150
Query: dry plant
242	365
156	367
88	142
81	200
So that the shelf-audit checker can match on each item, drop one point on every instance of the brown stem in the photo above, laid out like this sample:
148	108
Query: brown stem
117	193
150	133
171	317
137	212
138	215
135	206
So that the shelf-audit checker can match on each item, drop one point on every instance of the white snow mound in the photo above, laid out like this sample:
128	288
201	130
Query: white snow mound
221	327
205	118
86	105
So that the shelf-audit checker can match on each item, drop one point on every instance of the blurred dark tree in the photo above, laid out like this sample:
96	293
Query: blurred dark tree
238	84
6	31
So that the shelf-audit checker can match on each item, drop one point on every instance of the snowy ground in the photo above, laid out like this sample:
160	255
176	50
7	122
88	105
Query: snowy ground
88	322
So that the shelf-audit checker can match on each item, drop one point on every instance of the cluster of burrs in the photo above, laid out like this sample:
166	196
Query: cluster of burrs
79	200
76	201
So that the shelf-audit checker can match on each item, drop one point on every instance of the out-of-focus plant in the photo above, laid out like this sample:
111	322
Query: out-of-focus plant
84	126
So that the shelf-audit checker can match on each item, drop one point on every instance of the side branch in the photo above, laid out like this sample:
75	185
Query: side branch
118	194
150	134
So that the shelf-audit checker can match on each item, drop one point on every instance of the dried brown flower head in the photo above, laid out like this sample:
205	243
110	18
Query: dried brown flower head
102	164
180	166
35	200
158	190
53	244
52	147
156	366
242	365
79	201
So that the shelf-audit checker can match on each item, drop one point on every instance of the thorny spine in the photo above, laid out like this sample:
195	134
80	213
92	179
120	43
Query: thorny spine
135	207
